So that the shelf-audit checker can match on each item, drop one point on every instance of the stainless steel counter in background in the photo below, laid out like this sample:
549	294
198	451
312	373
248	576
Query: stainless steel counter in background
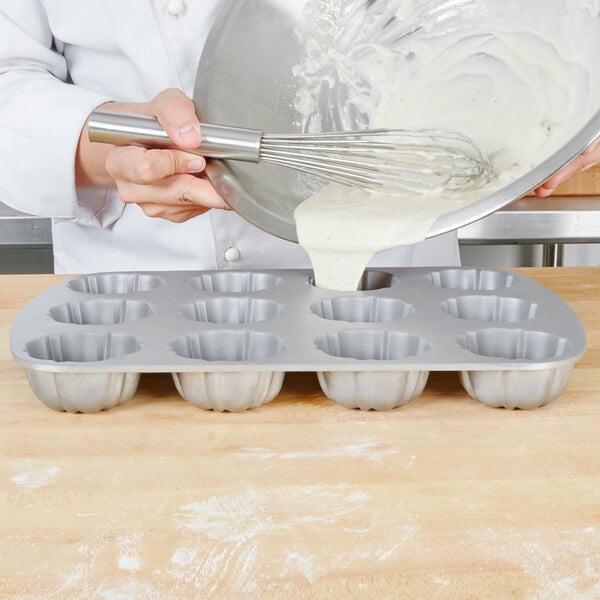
25	242
18	229
551	222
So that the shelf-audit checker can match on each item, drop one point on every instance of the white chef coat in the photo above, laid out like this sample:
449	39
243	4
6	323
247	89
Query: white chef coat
59	59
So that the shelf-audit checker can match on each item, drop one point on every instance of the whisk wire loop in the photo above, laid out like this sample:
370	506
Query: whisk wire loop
417	160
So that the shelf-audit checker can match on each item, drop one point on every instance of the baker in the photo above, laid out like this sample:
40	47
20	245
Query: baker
129	208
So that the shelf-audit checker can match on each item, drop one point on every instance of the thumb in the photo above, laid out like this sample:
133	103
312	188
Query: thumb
177	115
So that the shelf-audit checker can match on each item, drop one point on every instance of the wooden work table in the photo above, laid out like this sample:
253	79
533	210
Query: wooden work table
301	498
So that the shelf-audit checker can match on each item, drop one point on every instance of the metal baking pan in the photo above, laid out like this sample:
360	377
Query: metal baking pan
229	337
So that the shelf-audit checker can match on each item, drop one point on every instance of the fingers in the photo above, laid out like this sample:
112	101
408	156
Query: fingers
177	115
145	167
548	187
589	158
166	184
185	192
176	198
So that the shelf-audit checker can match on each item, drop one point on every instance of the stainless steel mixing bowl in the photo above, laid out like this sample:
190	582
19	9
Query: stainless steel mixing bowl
245	78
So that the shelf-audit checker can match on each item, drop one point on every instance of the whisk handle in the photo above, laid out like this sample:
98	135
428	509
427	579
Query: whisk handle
218	141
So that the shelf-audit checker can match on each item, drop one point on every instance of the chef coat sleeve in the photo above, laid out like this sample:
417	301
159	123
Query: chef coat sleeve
41	117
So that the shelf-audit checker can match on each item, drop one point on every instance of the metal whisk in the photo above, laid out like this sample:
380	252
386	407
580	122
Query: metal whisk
416	160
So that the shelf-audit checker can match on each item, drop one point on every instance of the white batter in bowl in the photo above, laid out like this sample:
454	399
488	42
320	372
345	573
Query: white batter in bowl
497	72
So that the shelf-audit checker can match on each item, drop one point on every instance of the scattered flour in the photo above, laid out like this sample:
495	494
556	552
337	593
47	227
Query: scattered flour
79	572
129	559
402	534
73	577
184	557
223	546
549	565
363	448
230	518
305	564
229	535
127	590
34	474
441	581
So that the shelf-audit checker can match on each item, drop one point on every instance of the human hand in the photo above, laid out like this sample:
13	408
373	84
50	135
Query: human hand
589	158
167	184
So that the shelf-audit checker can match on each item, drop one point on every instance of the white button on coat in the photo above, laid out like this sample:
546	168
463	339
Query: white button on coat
232	254
176	8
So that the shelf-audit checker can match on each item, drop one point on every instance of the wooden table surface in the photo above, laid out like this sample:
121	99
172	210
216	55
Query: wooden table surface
301	498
